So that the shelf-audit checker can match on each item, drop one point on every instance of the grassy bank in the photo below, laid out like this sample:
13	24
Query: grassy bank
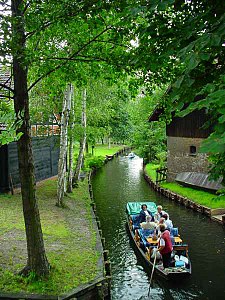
151	170
103	150
69	235
201	197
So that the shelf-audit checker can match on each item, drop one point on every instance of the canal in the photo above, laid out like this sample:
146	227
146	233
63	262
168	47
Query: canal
121	181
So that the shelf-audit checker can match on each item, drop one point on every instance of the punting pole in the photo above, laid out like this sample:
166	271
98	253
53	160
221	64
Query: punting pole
153	268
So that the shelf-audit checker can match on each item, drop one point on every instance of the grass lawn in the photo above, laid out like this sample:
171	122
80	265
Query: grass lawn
69	236
201	197
103	150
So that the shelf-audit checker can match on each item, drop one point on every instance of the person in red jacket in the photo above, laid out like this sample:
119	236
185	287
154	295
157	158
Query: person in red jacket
165	246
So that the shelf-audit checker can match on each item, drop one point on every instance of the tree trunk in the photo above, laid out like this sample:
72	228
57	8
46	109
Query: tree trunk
109	142
71	142
37	260
82	142
61	186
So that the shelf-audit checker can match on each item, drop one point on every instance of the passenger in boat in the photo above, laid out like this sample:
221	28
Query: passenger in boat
148	224
168	222
161	221
159	213
145	212
165	246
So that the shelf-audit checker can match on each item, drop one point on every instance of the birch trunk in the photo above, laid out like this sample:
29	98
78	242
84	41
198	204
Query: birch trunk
36	256
61	186
109	142
82	142
71	142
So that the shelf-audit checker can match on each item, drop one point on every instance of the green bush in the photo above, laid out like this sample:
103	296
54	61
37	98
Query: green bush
161	158
94	162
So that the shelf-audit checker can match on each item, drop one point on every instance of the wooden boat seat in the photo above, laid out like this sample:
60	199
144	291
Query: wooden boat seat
177	241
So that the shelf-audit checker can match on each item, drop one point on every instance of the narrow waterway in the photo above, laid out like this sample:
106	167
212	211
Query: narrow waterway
121	181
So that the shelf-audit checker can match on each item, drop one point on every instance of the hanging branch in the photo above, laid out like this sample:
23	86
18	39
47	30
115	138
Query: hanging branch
26	7
82	58
4	86
6	96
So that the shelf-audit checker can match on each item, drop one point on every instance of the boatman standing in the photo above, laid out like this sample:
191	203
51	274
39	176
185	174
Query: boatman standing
165	246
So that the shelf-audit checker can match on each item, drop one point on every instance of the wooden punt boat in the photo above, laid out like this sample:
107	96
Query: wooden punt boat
180	263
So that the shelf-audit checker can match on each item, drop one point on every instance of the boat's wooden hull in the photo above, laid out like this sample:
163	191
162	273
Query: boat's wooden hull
149	264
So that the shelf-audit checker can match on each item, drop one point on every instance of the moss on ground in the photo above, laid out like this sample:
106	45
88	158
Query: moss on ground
204	198
69	236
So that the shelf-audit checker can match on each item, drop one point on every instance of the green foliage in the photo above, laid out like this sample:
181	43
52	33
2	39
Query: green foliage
181	44
148	138
94	162
161	157
9	134
107	106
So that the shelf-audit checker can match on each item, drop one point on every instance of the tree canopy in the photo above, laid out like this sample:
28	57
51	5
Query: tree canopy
114	49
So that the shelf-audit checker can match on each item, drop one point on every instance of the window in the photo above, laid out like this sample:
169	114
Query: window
193	150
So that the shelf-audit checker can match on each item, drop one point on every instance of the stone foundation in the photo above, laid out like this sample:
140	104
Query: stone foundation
180	159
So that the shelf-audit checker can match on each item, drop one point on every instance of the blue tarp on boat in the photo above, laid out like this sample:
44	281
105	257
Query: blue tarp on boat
134	208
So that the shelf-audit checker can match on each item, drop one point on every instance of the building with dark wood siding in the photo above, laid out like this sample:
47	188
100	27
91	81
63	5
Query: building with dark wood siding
184	138
46	155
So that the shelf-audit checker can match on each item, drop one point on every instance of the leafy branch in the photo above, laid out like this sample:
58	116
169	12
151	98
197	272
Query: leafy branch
69	58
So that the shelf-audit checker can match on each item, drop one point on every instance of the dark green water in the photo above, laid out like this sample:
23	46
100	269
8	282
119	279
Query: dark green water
121	181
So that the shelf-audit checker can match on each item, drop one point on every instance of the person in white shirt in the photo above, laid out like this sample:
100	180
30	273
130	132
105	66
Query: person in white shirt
161	221
168	222
158	215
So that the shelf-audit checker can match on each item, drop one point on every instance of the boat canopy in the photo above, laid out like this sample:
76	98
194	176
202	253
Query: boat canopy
134	208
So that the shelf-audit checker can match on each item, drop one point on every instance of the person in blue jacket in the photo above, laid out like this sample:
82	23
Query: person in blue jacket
145	212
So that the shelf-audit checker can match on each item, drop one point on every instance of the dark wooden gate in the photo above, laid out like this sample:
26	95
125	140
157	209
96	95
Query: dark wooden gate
161	175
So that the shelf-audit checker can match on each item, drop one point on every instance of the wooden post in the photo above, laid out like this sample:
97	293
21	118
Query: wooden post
11	184
108	268
100	291
109	278
103	242
105	255
223	219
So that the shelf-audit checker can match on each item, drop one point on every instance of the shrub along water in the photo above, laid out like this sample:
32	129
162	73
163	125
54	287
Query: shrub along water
100	152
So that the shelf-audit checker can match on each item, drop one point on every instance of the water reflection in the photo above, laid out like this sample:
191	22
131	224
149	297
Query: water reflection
120	181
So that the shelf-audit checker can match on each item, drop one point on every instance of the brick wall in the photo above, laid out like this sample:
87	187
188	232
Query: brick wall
179	158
